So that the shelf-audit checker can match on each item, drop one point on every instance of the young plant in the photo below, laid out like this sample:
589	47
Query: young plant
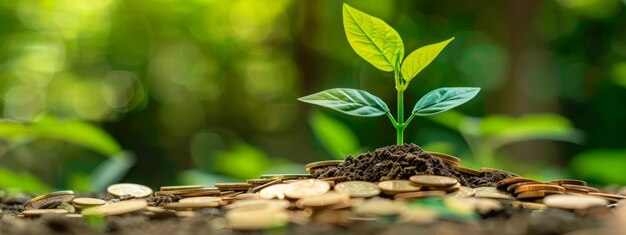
380	45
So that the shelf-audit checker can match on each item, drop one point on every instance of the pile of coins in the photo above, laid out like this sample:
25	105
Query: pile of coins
275	200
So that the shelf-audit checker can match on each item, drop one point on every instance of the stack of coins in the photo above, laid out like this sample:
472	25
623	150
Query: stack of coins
455	162
188	191
50	200
314	166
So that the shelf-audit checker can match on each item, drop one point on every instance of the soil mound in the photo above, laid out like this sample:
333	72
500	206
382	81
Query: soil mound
402	162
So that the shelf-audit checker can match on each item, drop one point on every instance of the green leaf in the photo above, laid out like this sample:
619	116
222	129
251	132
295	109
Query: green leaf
372	39
420	58
71	131
334	136
443	99
349	101
602	166
23	181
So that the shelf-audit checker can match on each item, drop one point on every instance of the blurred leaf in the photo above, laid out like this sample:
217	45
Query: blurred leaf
601	166
440	147
503	129
334	136
420	58
372	39
242	161
23	181
71	131
444	209
443	99
111	170
349	101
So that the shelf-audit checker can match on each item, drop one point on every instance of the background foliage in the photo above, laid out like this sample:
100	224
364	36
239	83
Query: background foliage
162	92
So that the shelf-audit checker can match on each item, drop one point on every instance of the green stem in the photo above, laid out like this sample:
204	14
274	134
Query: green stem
400	127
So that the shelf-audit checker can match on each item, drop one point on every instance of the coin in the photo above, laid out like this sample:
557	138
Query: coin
258	204
502	184
336	178
233	186
467	170
420	194
607	195
464	191
580	188
537	187
46	199
322	164
324	200
358	188
433	180
528	205
269	217
202	192
448	159
570	181
133	190
119	208
39	212
492	192
573	202
393	187
50	204
379	206
247	196
273	191
511	188
536	194
265	185
180	187
306	188
258	181
194	202
193	191
285	176
87	201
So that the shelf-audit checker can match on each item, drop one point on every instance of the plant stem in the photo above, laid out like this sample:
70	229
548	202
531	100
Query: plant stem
400	127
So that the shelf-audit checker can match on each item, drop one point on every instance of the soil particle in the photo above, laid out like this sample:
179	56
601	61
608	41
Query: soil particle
402	162
159	200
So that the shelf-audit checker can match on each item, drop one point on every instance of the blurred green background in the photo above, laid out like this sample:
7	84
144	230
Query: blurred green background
201	91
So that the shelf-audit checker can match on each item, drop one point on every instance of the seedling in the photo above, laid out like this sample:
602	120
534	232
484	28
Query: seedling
380	45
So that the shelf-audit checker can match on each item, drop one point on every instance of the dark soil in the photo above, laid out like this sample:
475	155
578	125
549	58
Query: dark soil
402	162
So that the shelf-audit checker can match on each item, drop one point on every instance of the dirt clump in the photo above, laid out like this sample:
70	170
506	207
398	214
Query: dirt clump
402	162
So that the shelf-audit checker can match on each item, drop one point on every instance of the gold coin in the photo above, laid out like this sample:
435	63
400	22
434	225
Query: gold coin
233	186
269	217
464	191
37	202
420	194
379	206
180	187
502	184
119	208
467	170
74	215
493	193
285	176
528	205
258	204
537	187
573	202
358	188
39	212
247	196
570	182
273	191
87	201
324	200
393	187
306	188
322	164
579	188
433	180
448	189
511	188
197	202
607	195
449	159
336	178
258	181
483	205
536	194
265	185
189	192
133	190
